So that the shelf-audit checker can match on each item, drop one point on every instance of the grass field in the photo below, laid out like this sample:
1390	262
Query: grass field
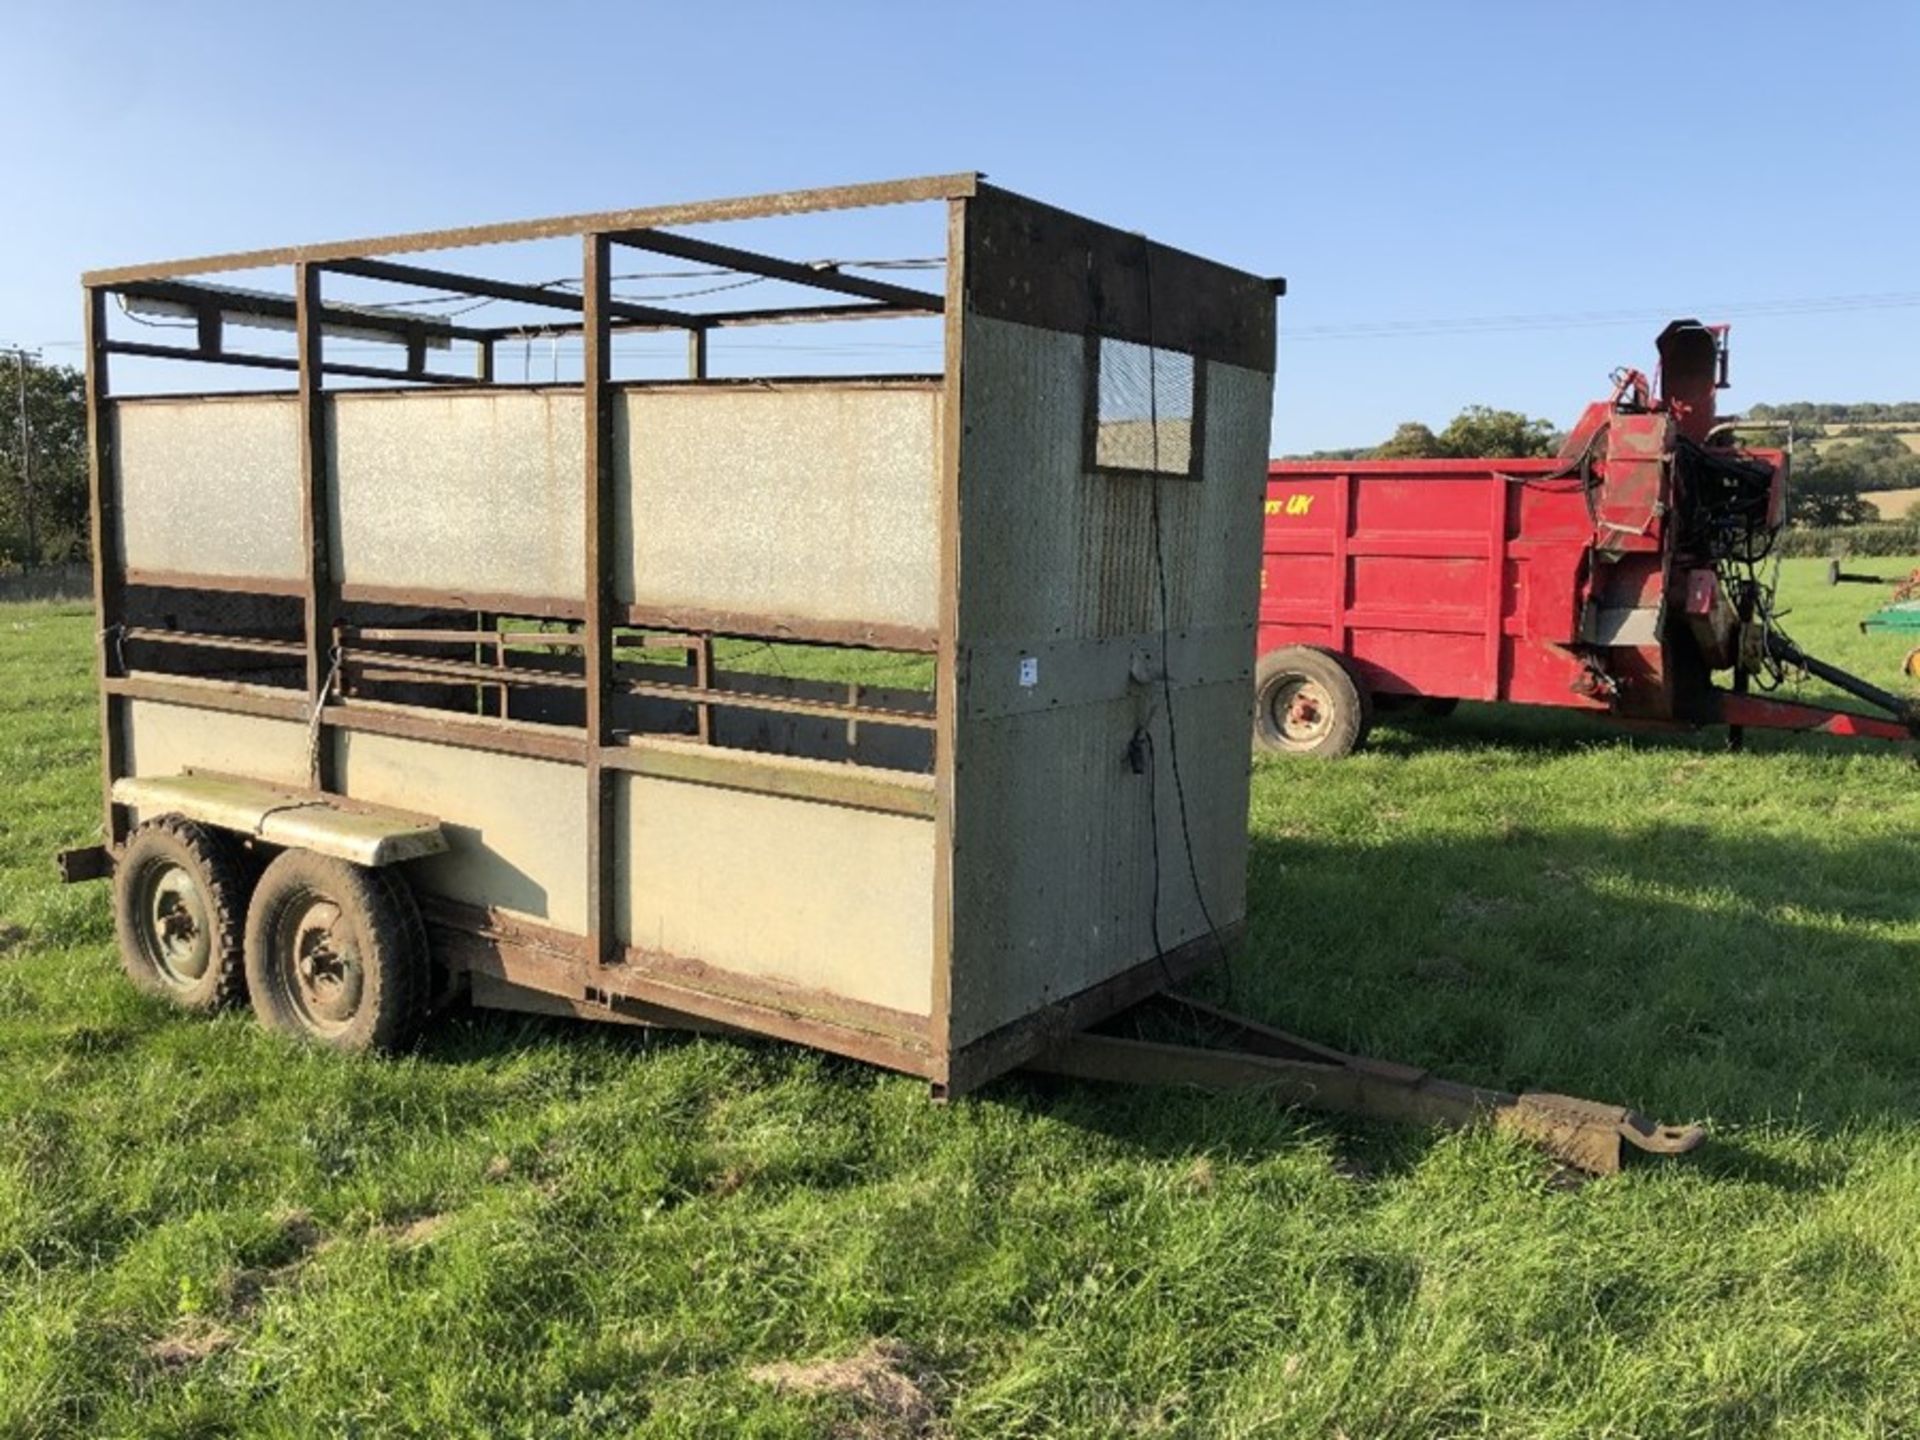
532	1229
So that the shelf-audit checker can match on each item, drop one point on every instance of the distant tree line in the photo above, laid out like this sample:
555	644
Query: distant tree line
1479	431
1813	412
1835	469
43	488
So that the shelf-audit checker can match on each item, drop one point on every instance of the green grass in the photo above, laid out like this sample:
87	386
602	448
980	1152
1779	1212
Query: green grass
542	1229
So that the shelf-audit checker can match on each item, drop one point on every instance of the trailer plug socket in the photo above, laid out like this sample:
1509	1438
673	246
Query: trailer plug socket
1140	750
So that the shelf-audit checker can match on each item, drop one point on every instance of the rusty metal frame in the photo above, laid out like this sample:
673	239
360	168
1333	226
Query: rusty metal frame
749	700
212	302
946	682
1250	1057
426	278
748	207
706	252
109	586
638	228
704	322
327	649
201	640
522	953
319	598
221	356
225	584
596	386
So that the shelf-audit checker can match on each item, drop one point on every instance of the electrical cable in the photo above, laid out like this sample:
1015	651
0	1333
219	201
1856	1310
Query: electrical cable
1166	664
1509	324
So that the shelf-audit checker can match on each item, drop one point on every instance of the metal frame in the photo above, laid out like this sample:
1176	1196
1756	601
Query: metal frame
334	657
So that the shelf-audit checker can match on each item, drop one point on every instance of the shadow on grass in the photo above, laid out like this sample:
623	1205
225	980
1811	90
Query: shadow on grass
1745	980
1694	973
1546	730
1683	970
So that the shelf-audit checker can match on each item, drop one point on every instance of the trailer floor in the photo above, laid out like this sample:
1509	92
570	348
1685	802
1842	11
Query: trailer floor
538	1228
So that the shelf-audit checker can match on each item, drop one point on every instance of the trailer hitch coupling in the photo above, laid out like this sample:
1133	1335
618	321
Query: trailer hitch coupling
1589	1134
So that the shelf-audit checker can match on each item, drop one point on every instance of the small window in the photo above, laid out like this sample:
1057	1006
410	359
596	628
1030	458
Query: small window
1145	421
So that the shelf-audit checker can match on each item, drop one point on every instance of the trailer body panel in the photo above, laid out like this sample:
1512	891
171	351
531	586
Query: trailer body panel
1453	578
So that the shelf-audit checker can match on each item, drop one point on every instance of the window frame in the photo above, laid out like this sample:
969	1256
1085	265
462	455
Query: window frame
1090	440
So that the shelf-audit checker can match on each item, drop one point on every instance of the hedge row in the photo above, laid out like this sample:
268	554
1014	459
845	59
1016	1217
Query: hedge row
1896	538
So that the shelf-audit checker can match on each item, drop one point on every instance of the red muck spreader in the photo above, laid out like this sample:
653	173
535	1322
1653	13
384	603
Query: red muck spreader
1621	576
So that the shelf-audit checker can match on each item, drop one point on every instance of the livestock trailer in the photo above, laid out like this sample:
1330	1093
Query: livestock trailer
864	711
400	638
1617	577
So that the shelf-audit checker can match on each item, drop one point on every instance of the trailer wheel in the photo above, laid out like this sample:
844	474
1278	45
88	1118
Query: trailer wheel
1308	702
336	953
179	892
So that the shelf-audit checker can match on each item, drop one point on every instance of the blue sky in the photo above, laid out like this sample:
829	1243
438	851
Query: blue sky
1402	164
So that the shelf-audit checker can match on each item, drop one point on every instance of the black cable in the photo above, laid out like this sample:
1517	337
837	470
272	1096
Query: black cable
1144	740
1166	657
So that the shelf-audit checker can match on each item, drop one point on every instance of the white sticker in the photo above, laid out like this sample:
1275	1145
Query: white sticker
1029	671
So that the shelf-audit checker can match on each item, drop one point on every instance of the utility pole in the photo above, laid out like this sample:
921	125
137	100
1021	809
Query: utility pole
26	464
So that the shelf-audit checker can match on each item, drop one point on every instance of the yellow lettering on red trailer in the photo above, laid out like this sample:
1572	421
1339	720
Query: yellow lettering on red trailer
1299	504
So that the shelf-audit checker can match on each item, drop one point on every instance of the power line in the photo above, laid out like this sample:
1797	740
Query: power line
1590	319
1399	329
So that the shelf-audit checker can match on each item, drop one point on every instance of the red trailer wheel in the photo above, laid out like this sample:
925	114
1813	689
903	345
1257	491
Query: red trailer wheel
1308	702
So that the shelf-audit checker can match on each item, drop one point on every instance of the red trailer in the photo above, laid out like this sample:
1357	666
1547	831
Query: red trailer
1619	577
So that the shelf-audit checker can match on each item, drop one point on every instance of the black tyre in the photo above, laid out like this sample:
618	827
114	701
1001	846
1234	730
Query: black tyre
1307	701
336	953
179	892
